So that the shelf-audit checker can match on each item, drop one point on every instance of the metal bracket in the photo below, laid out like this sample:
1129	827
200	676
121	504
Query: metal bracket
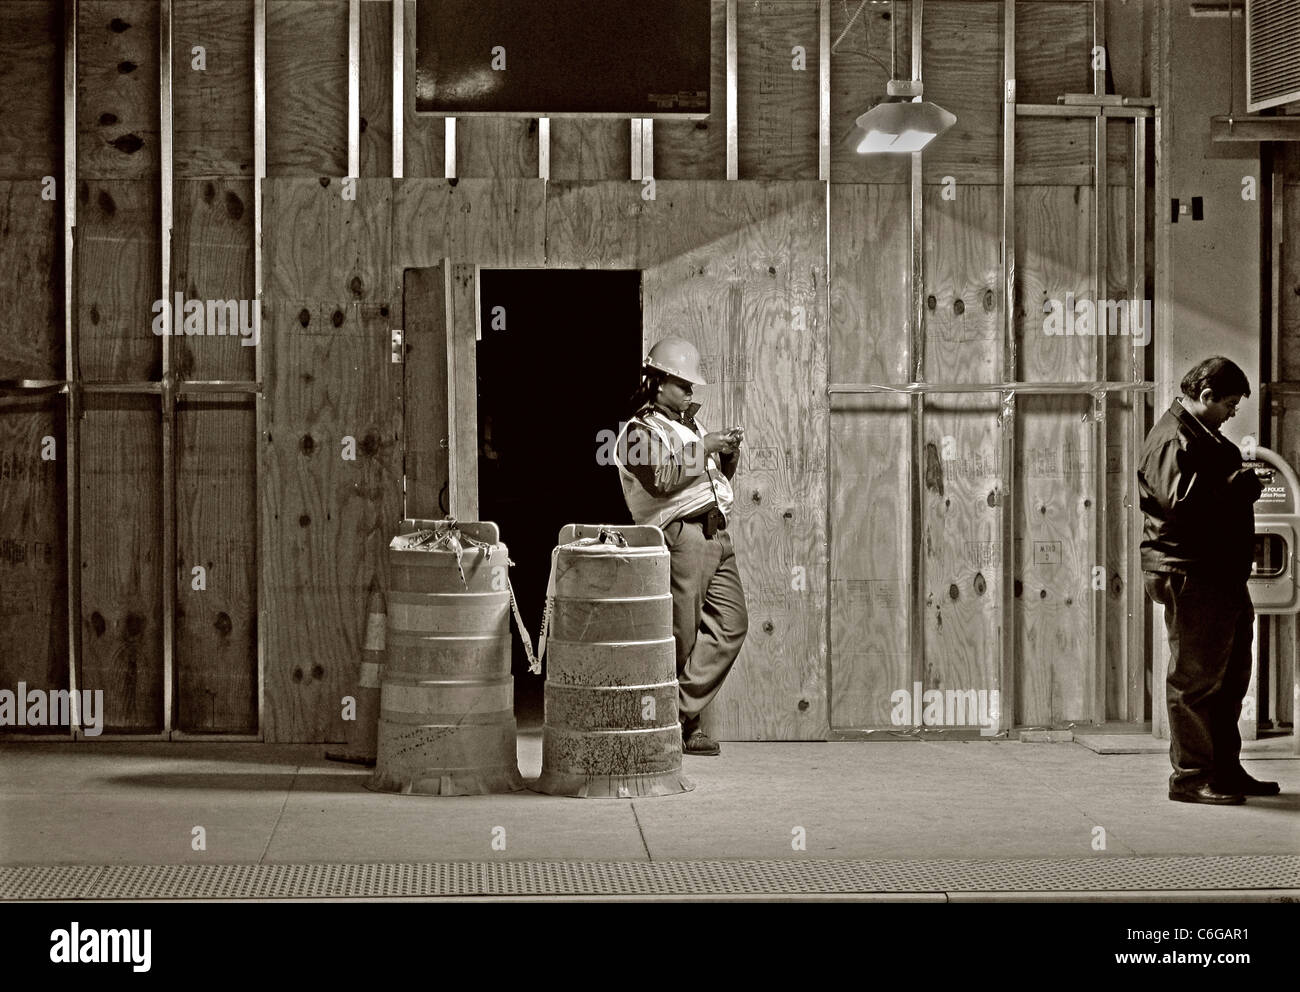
398	356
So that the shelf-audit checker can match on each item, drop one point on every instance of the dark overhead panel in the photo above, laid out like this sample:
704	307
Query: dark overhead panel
556	58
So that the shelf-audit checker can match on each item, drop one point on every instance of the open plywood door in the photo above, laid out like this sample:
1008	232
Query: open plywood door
440	393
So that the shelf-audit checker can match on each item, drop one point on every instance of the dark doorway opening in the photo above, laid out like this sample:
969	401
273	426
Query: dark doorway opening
559	357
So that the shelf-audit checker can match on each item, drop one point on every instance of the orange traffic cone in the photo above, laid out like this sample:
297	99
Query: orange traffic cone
362	731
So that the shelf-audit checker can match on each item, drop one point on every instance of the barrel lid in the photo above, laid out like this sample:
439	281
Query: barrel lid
644	536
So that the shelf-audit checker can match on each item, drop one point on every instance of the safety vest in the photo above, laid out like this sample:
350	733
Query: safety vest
709	487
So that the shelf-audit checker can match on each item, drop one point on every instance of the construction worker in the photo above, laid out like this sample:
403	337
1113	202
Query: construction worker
678	477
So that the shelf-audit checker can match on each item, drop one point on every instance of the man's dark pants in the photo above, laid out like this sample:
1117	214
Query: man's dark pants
1210	623
709	616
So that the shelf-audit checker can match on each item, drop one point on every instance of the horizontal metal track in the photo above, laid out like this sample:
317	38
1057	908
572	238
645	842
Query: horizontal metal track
183	387
768	877
1024	388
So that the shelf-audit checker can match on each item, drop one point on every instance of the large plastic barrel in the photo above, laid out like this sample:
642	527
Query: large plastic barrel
446	709
611	725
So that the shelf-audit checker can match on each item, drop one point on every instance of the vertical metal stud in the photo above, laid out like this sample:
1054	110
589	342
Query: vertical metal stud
648	148
1134	692
449	148
824	94
354	88
399	88
635	137
259	351
167	397
733	144
1007	528
916	289
1096	680
72	474
543	148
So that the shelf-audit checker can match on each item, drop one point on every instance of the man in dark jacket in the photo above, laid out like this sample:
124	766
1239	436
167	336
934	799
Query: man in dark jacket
1197	550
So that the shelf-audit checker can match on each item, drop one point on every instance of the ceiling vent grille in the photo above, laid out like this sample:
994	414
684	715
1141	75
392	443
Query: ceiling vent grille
1272	53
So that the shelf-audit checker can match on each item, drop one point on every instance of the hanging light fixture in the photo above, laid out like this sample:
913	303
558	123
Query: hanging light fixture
898	127
902	122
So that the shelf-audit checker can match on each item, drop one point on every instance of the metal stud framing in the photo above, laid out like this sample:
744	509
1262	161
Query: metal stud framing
733	140
916	292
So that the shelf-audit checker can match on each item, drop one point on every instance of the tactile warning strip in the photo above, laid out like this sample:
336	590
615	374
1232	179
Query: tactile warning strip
784	877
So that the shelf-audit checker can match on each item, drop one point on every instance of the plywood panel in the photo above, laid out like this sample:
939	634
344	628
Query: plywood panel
586	150
1056	486
212	259
306	97
121	567
778	104
31	90
376	103
870	530
869	514
425	392
961	532
33	554
320	245
870	260
1053	50
752	302
698	149
424	137
963	73
212	107
31	282
216	527
1054	151
1054	266
118	278
858	84
493	222
496	147
963	341
117	89
327	519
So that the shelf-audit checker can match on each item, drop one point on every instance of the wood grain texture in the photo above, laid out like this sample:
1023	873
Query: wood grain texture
961	531
963	341
1056	482
870	519
425	391
212	259
212	107
327	520
33	550
698	149
870	258
118	279
31	282
325	247
376	103
306	88
423	136
1287	438
963	74
121	568
777	105
1053	50
870	530
858	84
752	301
462	384
587	150
494	222
496	147
216	527
31	90
117	89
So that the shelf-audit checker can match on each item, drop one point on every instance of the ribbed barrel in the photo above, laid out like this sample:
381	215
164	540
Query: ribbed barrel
446	720
611	679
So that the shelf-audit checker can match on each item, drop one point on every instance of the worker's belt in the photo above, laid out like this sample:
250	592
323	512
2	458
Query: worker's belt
711	520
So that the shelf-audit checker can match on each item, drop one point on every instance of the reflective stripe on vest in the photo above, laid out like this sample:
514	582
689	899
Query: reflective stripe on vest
645	507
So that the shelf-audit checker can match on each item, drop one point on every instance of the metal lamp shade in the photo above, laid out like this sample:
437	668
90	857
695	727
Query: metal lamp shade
900	127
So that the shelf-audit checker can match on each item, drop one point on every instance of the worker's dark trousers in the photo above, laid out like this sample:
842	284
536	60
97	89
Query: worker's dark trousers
1210	626
709	615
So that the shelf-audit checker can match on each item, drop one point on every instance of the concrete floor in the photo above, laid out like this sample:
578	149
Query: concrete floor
137	803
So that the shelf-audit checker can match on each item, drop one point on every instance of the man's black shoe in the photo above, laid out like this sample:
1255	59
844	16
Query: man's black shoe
700	743
1207	795
1247	786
